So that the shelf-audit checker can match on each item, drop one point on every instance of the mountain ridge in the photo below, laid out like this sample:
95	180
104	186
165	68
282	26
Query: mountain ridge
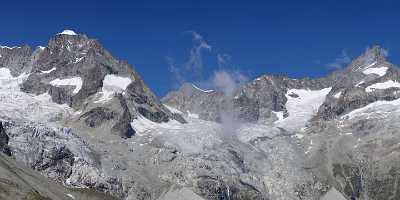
82	118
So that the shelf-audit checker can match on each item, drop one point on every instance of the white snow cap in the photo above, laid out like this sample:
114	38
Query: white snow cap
67	32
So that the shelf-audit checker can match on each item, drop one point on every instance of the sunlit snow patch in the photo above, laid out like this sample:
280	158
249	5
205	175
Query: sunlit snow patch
172	109
6	47
5	73
71	196
192	115
143	125
337	95
384	85
380	71
201	90
112	84
279	115
377	109
74	81
301	108
48	71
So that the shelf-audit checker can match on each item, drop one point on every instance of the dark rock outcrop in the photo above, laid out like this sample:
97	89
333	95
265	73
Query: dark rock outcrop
4	141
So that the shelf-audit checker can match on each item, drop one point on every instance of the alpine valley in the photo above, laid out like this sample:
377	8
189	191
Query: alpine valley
77	123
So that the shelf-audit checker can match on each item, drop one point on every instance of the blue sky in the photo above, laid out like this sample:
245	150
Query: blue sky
296	38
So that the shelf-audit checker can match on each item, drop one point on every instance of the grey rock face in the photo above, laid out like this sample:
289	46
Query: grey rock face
19	182
17	59
45	149
4	141
251	102
97	116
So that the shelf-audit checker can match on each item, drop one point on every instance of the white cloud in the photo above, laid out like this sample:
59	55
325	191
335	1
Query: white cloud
341	61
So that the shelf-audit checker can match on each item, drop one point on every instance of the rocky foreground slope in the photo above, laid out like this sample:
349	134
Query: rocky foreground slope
87	121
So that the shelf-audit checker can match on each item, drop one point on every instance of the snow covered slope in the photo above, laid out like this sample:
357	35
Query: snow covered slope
16	104
301	106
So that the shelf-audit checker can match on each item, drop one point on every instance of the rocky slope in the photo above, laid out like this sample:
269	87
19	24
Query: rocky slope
19	182
346	122
84	119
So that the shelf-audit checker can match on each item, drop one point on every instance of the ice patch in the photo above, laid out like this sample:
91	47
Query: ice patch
6	47
358	84
48	71
380	71
377	108
67	32
173	110
337	95
5	73
384	85
78	59
74	81
300	136
333	194
116	83
206	91
302	108
279	115
143	125
309	147
192	115
70	196
112	84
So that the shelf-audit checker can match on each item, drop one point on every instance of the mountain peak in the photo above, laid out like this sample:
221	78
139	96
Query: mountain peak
372	57
375	53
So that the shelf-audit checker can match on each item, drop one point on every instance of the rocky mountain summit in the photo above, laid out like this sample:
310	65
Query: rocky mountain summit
76	70
72	114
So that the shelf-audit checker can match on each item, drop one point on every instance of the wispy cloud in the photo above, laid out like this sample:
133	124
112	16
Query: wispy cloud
224	60
385	52
225	78
193	67
195	62
341	61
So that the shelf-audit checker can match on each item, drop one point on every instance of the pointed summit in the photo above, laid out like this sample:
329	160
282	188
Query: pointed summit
373	56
